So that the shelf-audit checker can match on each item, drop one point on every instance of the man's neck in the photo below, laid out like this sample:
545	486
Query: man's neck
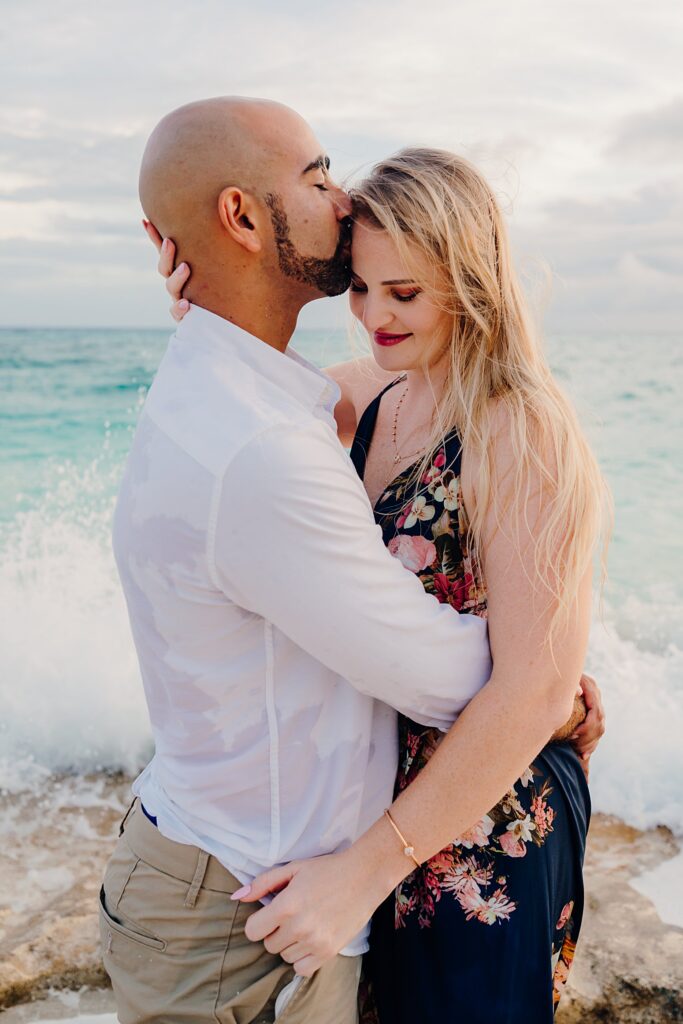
259	310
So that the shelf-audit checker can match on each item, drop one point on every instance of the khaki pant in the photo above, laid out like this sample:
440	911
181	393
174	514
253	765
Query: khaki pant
173	944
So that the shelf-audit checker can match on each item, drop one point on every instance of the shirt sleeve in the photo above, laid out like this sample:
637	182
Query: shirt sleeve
294	540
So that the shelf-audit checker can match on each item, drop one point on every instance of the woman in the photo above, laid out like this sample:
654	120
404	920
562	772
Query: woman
484	487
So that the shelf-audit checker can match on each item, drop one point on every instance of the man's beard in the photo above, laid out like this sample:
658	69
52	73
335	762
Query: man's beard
331	276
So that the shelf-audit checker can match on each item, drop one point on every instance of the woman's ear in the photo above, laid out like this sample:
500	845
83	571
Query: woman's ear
241	217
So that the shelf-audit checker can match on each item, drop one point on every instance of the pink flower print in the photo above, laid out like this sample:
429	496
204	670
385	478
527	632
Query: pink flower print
440	460
415	553
511	845
431	478
405	512
477	835
442	863
466	875
543	817
565	915
495	908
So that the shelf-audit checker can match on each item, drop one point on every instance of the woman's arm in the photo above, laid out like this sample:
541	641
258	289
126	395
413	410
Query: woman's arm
498	735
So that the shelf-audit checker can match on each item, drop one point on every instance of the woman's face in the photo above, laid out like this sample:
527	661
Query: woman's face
406	329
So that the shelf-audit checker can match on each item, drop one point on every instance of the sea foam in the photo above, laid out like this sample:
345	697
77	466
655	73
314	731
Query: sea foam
73	701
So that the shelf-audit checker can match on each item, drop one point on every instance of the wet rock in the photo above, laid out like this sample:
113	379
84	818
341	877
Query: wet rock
629	964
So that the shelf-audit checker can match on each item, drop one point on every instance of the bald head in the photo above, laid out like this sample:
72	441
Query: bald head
198	150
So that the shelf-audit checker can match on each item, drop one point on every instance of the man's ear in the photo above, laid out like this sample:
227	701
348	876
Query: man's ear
241	217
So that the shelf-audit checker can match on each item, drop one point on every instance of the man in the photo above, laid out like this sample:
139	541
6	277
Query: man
273	628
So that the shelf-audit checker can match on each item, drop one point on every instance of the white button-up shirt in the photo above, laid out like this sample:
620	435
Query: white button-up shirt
275	632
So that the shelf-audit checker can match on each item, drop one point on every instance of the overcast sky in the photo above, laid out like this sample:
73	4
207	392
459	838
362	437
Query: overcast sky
574	110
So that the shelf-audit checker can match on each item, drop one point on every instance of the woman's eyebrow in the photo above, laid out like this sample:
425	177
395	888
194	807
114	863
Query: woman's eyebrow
407	281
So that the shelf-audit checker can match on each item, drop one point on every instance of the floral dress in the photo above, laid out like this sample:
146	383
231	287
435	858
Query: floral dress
484	931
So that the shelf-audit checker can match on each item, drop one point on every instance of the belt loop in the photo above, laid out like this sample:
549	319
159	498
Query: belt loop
198	878
124	819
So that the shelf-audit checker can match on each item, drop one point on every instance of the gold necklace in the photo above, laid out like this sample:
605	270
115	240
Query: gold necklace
398	457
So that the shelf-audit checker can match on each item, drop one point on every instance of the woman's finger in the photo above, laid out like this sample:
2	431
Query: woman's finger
179	309
265	883
293	953
166	258
176	280
307	966
152	234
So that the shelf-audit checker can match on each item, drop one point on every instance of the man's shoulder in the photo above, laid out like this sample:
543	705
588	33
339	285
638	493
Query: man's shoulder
212	417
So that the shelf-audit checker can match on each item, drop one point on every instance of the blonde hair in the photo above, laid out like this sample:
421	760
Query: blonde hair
435	204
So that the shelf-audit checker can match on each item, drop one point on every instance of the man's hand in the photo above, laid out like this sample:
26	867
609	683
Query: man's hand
175	279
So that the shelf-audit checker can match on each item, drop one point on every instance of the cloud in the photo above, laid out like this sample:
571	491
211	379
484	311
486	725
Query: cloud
574	113
651	133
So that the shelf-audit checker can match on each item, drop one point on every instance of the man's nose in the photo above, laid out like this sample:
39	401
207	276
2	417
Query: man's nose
342	203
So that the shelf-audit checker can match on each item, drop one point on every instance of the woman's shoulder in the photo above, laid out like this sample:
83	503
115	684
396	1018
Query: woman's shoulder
360	381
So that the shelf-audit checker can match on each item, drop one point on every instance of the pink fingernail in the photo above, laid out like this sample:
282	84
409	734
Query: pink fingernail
184	305
164	245
241	893
182	266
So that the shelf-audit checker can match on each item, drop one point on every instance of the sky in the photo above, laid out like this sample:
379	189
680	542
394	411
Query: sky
574	111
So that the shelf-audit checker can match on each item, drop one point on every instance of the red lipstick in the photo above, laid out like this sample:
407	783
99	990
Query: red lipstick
381	338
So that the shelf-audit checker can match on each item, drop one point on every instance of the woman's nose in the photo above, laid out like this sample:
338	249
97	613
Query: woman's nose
375	316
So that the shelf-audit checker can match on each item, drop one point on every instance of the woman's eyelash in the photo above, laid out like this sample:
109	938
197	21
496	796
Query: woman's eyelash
399	298
323	188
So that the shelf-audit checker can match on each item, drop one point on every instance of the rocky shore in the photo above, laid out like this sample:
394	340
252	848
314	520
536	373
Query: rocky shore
628	968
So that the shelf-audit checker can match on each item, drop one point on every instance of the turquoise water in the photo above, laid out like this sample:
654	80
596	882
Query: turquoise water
68	680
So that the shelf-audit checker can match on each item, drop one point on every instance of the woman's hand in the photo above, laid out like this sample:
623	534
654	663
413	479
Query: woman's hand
586	738
321	905
175	279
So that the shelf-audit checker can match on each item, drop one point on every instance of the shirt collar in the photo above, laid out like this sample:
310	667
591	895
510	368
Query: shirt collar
287	370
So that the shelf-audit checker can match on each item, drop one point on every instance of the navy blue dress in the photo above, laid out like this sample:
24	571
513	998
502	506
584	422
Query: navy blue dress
486	930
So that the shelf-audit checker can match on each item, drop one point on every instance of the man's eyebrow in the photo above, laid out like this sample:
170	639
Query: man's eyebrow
322	162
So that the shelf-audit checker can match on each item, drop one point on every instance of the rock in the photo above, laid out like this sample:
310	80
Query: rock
628	967
629	964
56	843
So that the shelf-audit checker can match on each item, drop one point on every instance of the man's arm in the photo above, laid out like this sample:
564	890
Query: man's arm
498	735
295	541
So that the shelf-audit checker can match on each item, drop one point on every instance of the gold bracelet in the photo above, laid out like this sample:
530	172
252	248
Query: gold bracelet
407	848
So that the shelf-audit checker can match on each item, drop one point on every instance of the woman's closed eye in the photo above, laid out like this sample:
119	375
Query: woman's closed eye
400	296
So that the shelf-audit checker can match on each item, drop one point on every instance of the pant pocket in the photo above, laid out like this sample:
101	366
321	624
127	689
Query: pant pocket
111	924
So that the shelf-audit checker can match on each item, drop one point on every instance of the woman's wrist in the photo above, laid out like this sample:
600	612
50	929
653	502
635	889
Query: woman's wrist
378	861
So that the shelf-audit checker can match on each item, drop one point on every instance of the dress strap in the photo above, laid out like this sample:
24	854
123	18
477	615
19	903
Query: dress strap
366	428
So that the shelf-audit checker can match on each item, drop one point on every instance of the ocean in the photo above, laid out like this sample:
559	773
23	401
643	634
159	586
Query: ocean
70	692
